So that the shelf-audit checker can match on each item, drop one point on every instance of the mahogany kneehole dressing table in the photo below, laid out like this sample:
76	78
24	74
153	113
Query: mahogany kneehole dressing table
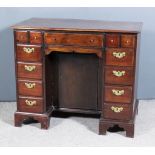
74	65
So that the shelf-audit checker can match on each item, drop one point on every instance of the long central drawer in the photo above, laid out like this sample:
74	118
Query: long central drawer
87	40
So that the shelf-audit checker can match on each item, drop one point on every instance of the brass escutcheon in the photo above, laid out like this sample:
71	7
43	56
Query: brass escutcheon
28	50
117	92
30	85
29	68
118	73
117	109
119	55
30	103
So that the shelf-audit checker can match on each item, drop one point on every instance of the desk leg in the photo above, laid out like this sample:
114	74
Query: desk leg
43	119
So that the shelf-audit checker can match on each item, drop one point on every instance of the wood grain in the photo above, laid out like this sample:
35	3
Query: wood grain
127	60
111	97
34	74
126	114
73	49
36	37
86	40
126	79
112	40
79	25
38	108
35	56
24	91
21	36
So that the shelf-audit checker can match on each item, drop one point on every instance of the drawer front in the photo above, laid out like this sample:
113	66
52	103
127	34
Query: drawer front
117	111
119	75
112	40
119	57
30	88
35	37
21	36
122	94
74	39
128	41
34	105
29	70
28	53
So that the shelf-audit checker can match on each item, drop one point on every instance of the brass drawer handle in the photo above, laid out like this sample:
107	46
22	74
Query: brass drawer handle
29	68
28	50
119	55
116	109
30	103
30	85
117	92
118	73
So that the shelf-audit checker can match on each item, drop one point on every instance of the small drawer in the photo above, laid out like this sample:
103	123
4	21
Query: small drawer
119	75
119	57
30	88
128	41
89	40
117	111
29	53
21	36
122	94
35	37
112	40
29	104
29	70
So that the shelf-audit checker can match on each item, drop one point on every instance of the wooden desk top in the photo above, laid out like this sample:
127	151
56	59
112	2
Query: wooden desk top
79	25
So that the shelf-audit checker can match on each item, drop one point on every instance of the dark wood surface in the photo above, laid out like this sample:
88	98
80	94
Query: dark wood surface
79	25
35	91
78	77
21	36
73	49
35	56
36	108
128	41
36	73
86	40
78	64
127	60
126	97
112	40
36	37
126	113
126	79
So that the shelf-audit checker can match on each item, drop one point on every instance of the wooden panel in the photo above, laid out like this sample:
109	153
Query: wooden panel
78	80
128	41
73	49
22	55
112	40
35	37
122	94
30	104
80	25
34	90
119	75
21	36
29	70
111	111
120	57
74	39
